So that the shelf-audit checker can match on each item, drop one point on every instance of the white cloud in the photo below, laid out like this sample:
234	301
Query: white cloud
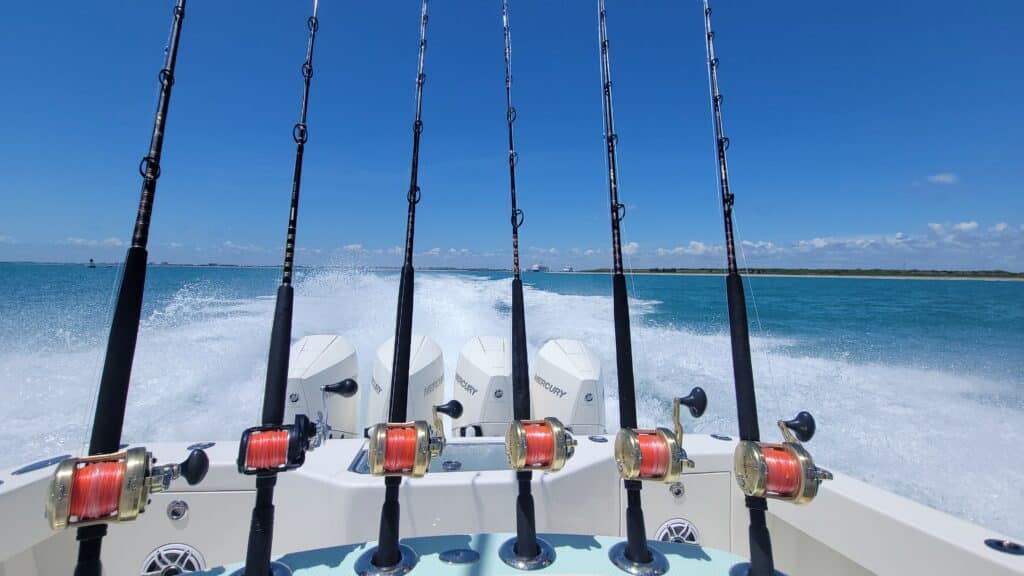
761	247
631	248
936	227
90	243
999	227
174	244
353	248
231	245
4	239
966	226
592	252
434	252
694	248
943	178
394	250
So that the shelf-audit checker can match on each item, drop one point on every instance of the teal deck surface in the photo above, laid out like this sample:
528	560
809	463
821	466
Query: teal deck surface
576	555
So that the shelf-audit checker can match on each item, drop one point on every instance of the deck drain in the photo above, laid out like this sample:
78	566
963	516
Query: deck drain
40	464
459	556
1005	546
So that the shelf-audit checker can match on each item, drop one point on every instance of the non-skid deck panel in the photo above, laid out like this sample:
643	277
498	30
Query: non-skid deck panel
575	555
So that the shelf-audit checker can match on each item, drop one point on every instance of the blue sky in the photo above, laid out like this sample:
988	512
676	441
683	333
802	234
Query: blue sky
862	135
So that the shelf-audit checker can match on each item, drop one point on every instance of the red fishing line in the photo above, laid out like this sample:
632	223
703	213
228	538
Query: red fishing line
783	470
654	456
540	444
96	490
267	449
400	449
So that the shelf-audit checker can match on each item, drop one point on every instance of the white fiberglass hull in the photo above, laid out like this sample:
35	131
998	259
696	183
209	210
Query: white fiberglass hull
851	528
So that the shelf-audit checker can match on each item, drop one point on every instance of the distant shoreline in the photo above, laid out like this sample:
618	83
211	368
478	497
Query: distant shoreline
877	273
881	274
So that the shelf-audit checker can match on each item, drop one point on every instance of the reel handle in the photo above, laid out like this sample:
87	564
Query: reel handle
696	401
347	388
195	467
802	426
451	409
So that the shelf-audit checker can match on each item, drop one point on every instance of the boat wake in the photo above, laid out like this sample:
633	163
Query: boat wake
201	361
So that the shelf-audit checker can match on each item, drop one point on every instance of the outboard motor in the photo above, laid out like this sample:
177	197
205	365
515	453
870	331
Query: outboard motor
483	385
322	369
566	385
426	380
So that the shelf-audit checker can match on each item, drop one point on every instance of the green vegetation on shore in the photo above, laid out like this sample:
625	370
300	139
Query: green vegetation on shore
855	272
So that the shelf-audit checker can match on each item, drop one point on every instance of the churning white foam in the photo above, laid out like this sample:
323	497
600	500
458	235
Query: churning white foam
198	375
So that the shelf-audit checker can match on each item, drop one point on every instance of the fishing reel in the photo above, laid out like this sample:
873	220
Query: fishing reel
406	448
265	449
782	471
538	445
114	487
658	454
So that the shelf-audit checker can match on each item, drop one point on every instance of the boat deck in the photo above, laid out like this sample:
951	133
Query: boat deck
574	554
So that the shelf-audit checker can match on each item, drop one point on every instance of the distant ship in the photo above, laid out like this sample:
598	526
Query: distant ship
92	264
567	269
539	268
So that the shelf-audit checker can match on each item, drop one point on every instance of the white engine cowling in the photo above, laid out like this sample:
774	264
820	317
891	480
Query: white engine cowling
426	380
317	361
566	384
483	384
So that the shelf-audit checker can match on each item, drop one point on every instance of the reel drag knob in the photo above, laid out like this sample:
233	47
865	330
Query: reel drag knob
538	445
658	454
781	471
113	487
406	448
266	449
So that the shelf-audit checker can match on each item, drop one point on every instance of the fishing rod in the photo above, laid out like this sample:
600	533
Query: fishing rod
272	447
755	472
761	561
399	448
525	551
640	454
108	485
526	523
637	549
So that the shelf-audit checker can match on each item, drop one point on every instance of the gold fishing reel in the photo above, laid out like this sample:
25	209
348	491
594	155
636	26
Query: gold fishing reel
781	471
543	445
406	448
113	487
658	454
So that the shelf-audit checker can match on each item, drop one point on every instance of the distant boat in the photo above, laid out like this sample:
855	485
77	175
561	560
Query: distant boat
539	268
567	269
92	264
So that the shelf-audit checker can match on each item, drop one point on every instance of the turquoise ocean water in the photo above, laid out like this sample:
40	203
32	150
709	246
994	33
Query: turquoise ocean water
917	385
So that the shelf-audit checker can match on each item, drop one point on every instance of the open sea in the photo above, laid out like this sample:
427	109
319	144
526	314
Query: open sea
917	385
